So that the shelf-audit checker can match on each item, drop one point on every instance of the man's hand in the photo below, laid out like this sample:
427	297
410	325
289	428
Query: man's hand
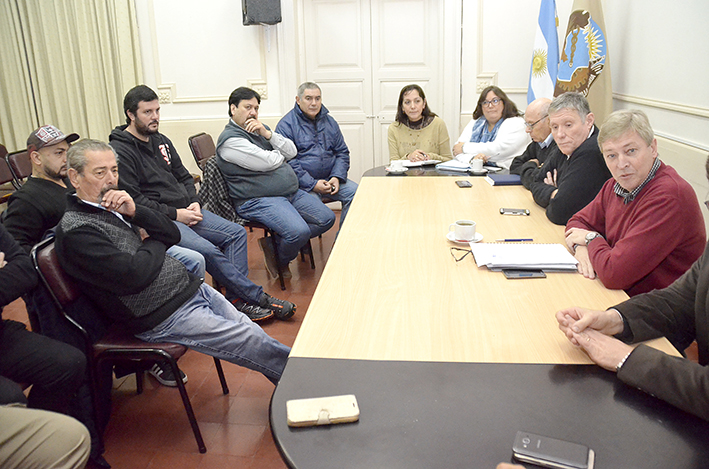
550	178
605	351
322	187
194	207
417	155
481	156
3	262
188	217
576	320
575	236
585	267
118	201
334	185
256	127
535	161
458	148
504	465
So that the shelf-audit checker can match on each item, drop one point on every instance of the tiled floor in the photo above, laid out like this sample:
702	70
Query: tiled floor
151	430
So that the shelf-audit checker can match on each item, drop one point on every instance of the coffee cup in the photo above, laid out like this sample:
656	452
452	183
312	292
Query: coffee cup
477	165
463	230
396	165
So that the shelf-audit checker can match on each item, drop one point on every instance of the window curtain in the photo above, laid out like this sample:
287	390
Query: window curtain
66	63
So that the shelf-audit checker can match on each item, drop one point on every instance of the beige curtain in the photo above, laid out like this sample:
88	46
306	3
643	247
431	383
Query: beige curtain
77	58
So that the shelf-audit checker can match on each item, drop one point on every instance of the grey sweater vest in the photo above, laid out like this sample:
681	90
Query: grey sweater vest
245	184
170	282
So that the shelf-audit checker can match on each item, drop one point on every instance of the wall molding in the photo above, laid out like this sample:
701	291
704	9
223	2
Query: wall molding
167	92
665	105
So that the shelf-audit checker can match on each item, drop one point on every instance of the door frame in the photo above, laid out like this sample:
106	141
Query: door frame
292	67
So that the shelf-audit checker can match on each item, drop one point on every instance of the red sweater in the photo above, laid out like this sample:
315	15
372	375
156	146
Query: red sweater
649	242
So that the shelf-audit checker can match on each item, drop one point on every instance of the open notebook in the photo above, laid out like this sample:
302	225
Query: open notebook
547	257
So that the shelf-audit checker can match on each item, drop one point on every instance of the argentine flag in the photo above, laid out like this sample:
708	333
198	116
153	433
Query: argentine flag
545	58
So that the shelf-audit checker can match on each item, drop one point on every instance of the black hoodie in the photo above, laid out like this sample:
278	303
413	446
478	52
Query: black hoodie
152	172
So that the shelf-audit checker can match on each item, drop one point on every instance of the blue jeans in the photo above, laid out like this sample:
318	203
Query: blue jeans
193	261
208	323
223	245
295	219
344	195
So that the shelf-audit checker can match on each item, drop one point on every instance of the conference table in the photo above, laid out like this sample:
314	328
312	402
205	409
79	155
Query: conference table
448	360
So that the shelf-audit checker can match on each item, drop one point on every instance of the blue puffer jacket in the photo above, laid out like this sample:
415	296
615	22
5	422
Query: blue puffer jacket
322	151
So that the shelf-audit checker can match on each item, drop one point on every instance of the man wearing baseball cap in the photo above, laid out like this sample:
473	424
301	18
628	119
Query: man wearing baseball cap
41	201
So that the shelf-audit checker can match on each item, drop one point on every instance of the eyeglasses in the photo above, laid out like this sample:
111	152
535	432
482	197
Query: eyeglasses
457	256
531	126
494	102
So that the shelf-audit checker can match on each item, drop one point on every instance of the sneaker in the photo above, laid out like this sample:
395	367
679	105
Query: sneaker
281	308
163	373
270	259
254	312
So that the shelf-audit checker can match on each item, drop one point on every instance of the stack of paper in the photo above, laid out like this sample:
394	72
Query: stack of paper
414	164
547	257
453	165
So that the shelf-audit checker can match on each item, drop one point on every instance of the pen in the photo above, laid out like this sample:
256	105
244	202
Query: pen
513	240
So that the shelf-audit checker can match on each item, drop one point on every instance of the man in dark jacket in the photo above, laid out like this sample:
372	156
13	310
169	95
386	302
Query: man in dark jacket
323	157
29	437
115	249
536	119
572	176
153	174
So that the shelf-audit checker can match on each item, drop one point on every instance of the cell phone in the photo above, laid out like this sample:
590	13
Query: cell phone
515	273
550	452
463	183
322	410
514	211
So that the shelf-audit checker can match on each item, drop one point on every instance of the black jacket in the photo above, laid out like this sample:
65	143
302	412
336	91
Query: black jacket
152	173
579	179
17	277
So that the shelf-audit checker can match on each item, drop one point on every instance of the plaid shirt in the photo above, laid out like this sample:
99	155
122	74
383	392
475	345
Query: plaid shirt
213	193
630	196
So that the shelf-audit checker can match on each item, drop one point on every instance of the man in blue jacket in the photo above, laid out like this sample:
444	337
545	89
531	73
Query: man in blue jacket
323	157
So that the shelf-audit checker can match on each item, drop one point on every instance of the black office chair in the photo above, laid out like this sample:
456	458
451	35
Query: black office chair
117	344
20	165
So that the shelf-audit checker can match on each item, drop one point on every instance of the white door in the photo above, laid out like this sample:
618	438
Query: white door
361	53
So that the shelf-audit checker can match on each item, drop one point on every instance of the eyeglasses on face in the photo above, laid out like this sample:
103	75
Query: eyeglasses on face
493	101
531	126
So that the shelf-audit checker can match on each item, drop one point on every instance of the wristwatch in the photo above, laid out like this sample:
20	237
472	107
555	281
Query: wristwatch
591	236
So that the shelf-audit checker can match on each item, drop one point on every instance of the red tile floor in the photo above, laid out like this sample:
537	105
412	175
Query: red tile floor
151	430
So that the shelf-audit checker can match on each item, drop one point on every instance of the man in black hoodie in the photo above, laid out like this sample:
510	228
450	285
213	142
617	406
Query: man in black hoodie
153	174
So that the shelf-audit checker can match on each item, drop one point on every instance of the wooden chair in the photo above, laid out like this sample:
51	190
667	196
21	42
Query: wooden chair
214	195
117	344
5	174
20	165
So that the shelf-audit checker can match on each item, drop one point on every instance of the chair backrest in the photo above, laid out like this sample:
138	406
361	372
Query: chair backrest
62	288
202	146
20	165
5	173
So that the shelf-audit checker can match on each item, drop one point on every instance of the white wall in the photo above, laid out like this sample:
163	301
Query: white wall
195	56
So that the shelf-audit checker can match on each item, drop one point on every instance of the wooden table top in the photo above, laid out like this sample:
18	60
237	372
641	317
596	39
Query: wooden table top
392	291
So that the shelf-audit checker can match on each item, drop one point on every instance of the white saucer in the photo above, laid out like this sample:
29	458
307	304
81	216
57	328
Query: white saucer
393	171
477	239
479	173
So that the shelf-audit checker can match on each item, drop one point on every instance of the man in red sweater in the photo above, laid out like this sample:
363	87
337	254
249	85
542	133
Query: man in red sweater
644	228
